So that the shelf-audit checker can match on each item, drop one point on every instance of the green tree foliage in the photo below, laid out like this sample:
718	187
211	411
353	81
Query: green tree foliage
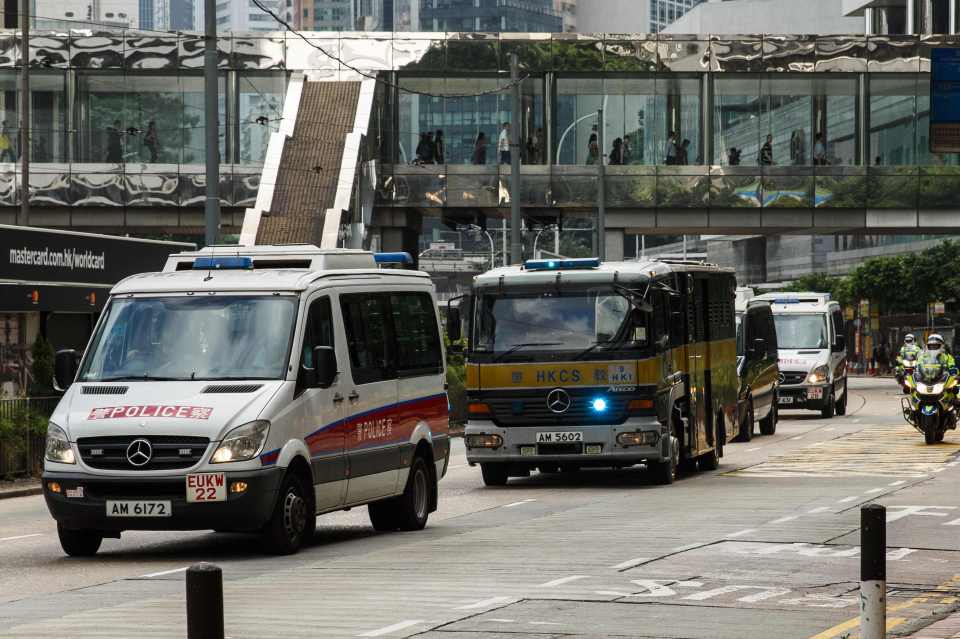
41	369
897	283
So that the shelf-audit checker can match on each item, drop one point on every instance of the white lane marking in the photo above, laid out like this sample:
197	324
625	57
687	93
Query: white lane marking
750	450
630	563
955	522
545	623
848	499
562	580
938	470
498	620
486	603
897	483
817	444
797	437
741	533
899	512
899	553
689	584
165	572
816	511
518	503
784	520
611	593
827	430
873	491
21	537
379	632
687	547
856	421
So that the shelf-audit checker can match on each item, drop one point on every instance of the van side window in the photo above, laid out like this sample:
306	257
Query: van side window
318	331
418	339
368	337
838	328
772	344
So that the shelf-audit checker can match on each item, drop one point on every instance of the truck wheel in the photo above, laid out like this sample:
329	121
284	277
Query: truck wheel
494	474
665	472
841	406
746	428
288	527
79	543
768	425
827	411
410	510
711	460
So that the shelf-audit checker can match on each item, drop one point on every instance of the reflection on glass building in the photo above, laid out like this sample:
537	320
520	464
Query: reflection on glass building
702	134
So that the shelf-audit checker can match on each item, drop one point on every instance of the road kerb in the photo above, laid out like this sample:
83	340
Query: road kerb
21	492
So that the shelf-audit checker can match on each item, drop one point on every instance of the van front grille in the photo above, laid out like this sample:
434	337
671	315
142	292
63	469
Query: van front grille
166	452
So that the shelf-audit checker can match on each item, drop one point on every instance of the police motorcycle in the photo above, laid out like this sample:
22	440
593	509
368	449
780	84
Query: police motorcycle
930	405
906	363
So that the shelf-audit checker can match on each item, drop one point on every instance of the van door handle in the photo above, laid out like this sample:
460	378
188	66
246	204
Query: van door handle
354	396
337	398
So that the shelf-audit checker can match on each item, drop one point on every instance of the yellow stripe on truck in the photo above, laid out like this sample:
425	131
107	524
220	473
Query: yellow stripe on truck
651	370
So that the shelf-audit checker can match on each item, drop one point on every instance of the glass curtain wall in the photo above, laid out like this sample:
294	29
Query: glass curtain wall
144	118
469	126
260	109
807	119
893	119
48	116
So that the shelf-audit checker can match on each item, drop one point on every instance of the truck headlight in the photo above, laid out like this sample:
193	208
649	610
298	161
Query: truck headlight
483	441
58	446
242	443
819	375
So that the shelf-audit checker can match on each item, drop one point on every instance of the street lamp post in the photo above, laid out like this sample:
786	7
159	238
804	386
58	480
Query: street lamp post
537	238
493	250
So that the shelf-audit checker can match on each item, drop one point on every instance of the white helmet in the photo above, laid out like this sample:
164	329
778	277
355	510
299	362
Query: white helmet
935	342
909	339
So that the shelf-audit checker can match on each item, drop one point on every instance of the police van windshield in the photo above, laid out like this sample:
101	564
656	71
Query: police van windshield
192	338
801	331
584	321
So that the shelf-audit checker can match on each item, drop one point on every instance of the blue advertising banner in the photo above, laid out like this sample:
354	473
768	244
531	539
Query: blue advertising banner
945	100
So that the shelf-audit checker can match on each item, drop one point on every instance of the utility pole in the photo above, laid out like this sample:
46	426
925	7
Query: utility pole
516	237
212	125
23	219
601	192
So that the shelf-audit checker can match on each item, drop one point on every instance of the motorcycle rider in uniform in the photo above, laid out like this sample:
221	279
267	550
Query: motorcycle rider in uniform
936	355
909	350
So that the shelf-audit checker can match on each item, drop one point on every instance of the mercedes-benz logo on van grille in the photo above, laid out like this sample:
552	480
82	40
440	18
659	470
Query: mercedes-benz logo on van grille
139	452
558	401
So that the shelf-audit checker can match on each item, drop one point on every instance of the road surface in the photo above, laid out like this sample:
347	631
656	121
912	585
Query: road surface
767	546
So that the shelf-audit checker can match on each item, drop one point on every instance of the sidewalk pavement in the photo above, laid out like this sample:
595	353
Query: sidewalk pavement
19	488
948	628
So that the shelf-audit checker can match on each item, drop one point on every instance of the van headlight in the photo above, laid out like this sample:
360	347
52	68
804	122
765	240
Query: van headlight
242	443
58	446
819	375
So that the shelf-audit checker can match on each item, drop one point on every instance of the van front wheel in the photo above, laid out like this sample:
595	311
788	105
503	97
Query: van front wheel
79	543
288	527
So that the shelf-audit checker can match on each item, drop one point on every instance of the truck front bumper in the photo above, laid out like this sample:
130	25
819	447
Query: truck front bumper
599	445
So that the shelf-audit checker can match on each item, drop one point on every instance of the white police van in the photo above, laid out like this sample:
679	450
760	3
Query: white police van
250	389
813	352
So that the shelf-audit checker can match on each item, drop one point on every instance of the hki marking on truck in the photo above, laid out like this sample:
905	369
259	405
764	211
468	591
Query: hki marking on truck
152	410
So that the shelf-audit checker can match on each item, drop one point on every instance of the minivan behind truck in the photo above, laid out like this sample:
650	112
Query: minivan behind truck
813	352
251	389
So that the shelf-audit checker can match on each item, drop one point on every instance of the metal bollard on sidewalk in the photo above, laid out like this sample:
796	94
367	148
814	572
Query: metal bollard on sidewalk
873	572
204	602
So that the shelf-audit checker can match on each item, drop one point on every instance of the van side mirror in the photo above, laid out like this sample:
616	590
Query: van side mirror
65	366
453	324
758	348
840	345
325	366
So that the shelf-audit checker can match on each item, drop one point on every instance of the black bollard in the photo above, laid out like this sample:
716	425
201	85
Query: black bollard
204	602
873	572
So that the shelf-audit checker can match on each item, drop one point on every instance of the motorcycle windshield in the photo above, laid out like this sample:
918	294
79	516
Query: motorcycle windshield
929	373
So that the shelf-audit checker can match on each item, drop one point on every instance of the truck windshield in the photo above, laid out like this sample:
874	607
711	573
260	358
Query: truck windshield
192	338
580	321
800	331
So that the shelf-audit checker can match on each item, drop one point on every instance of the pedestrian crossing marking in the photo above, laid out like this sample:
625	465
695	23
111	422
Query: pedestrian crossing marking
877	451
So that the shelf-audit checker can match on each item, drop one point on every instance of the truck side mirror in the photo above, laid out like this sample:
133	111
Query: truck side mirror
65	366
841	344
325	366
453	324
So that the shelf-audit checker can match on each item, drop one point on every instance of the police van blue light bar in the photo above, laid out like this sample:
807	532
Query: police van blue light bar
392	258
556	265
224	263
